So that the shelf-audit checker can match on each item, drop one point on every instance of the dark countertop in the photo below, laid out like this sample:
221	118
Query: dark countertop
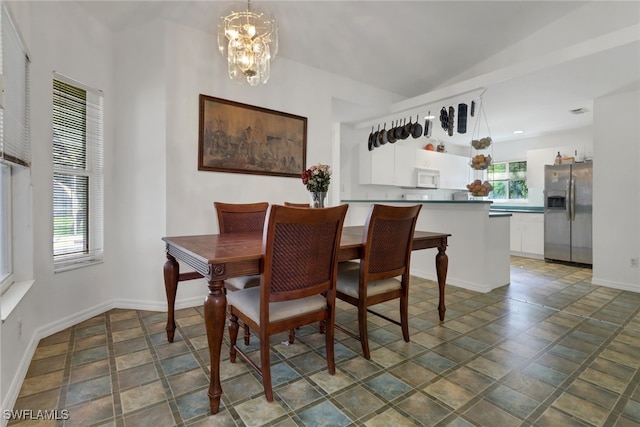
516	209
417	201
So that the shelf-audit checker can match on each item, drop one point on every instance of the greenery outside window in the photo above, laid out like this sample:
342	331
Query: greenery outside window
77	174
509	180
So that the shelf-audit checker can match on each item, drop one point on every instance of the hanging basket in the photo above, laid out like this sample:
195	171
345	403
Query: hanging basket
477	142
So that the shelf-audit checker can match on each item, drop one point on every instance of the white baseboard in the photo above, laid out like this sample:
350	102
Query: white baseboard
62	324
616	285
453	281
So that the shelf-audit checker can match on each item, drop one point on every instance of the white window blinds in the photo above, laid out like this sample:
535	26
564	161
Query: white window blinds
77	173
14	114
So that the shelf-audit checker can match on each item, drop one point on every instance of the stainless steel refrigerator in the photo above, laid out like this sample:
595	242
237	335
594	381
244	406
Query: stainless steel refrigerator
568	196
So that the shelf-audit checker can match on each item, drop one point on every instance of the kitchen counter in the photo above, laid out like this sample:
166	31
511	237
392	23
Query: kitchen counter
462	202
515	208
478	248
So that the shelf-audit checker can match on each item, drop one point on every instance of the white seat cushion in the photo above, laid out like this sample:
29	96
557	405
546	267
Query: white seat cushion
248	302
348	283
243	282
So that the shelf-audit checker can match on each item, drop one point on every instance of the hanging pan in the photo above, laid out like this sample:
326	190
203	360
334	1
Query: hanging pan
398	131
382	136
391	134
416	131
370	141
376	141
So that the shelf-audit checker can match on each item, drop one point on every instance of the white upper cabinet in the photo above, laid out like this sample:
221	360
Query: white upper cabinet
395	164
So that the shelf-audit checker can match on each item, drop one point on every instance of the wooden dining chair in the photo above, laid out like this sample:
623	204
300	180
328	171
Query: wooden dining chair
241	218
300	250
296	205
386	255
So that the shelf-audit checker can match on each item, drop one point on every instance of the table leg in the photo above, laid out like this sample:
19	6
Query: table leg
442	264
171	273
215	310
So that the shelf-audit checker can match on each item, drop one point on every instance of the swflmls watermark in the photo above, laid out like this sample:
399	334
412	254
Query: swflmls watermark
30	414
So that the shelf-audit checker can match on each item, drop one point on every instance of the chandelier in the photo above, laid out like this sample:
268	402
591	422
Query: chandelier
249	39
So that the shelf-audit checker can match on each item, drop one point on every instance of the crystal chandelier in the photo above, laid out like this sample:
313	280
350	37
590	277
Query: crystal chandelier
249	39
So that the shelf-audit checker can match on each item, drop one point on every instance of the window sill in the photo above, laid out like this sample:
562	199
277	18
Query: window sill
12	297
73	266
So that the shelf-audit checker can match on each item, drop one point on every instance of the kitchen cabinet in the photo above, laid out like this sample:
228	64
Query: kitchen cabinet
395	164
455	172
388	165
527	234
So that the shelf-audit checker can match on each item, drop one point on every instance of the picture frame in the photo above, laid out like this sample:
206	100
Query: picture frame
242	138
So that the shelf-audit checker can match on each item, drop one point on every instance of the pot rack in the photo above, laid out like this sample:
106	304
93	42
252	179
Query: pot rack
426	105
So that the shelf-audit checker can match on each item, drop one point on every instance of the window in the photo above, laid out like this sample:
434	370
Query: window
509	180
77	174
5	222
15	150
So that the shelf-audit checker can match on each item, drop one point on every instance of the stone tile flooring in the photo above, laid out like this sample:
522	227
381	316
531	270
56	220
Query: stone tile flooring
550	349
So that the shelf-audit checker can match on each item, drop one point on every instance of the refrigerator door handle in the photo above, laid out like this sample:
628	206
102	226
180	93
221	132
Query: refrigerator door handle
568	204
573	198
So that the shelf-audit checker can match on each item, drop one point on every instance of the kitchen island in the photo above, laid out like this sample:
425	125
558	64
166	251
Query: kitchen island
478	247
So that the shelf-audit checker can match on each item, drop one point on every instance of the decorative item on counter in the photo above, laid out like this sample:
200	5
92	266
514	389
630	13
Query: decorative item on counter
482	143
479	188
462	118
429	147
452	113
440	148
558	160
317	179
480	162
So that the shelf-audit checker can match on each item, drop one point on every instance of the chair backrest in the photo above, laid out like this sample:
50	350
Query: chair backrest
241	217
300	250
387	240
296	205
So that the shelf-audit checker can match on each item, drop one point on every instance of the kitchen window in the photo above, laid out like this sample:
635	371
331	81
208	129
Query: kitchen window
509	180
77	174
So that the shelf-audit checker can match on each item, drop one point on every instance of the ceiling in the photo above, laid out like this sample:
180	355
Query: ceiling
439	53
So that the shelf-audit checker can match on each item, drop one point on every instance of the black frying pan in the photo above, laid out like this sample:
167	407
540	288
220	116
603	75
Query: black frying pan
370	141
376	141
416	131
391	134
405	130
382	136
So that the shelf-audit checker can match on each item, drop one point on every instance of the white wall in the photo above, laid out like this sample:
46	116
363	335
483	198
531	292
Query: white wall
616	198
151	77
64	40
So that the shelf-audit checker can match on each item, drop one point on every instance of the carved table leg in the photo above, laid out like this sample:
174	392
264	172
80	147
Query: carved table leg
215	309
442	264
171	273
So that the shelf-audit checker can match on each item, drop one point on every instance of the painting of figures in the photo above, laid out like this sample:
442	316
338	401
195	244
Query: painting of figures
241	138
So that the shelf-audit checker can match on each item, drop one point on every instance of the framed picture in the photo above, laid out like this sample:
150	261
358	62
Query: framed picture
241	138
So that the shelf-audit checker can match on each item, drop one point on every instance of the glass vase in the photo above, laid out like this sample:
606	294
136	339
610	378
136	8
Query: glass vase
318	199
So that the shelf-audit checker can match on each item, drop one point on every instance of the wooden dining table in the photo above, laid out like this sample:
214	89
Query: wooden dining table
217	257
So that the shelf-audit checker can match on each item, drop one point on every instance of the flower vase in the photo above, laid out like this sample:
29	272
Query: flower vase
318	199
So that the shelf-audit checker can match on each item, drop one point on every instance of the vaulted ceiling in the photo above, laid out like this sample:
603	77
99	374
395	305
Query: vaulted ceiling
534	61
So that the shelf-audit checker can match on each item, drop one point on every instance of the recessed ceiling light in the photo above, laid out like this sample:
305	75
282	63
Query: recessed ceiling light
518	131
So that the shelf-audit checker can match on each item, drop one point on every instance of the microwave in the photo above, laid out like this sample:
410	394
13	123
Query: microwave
428	178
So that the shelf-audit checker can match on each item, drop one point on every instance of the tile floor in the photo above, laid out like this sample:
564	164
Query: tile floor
550	349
